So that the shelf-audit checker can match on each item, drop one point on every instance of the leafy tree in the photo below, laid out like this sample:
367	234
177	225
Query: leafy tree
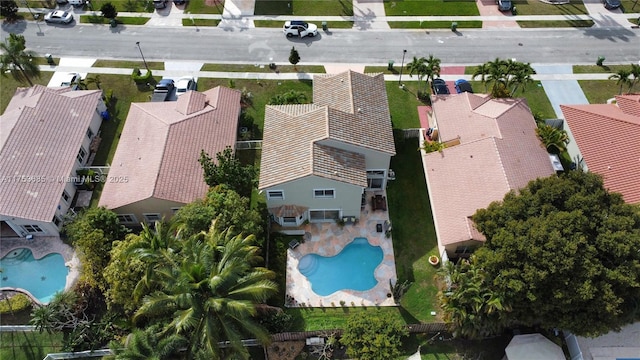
9	9
108	10
472	308
294	57
210	294
224	204
564	252
17	60
373	336
122	275
622	78
228	170
554	139
290	97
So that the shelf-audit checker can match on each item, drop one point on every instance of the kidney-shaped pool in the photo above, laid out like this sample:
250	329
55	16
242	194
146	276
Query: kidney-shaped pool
352	269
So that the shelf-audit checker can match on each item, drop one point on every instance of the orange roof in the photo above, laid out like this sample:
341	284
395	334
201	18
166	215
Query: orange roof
160	146
499	152
608	136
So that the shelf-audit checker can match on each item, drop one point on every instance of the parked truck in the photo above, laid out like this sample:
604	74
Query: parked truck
164	89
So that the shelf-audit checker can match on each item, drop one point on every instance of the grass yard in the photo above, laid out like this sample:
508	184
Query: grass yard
123	5
535	7
330	24
443	347
200	22
94	19
403	105
555	23
536	98
304	7
200	7
28	345
430	8
9	86
434	24
263	68
599	91
153	65
595	69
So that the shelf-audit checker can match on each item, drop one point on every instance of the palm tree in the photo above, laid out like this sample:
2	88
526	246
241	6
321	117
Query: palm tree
635	72
144	344
622	78
521	76
554	139
417	66
210	295
497	75
17	60
432	68
94	80
482	71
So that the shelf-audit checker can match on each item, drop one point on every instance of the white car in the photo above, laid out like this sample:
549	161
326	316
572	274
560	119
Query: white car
299	28
185	84
71	79
59	17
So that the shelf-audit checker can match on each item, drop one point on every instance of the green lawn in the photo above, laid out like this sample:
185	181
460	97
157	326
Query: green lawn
199	7
442	347
153	65
264	69
536	98
200	22
330	24
304	7
599	91
535	7
9	86
591	69
123	5
430	8
28	345
94	19
433	24
555	23
403	104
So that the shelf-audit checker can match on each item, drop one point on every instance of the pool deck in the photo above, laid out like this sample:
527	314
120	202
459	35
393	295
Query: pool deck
328	239
42	246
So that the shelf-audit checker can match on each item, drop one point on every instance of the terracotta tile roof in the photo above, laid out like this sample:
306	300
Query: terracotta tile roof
288	210
42	131
608	138
297	138
499	152
160	146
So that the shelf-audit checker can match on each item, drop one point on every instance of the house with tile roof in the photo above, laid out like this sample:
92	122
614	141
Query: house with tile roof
45	136
318	159
492	149
155	169
605	139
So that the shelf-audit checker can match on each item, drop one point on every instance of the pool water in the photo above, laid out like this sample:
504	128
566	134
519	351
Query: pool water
42	278
352	269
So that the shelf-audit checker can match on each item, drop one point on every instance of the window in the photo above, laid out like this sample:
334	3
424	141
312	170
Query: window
323	215
151	217
90	133
56	221
65	196
289	221
375	179
174	210
464	250
275	195
324	193
127	218
33	229
81	155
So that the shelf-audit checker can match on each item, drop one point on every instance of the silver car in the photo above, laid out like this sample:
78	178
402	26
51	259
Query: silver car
59	17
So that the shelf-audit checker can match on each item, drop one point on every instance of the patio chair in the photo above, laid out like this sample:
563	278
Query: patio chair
293	244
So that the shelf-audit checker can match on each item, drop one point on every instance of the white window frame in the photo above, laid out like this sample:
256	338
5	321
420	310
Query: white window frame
374	174
155	217
324	194
32	229
325	219
82	155
271	195
127	219
90	133
65	196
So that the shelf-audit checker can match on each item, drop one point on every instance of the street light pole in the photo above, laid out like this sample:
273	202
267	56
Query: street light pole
141	54
404	52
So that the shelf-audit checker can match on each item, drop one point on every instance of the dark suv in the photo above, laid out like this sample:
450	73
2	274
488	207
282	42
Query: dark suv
159	4
440	87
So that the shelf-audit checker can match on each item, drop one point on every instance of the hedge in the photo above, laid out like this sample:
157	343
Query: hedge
15	303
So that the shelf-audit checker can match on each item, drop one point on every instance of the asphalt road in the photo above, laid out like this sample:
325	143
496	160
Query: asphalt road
618	45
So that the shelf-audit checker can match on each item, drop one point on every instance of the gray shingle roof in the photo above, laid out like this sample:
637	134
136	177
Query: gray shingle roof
42	131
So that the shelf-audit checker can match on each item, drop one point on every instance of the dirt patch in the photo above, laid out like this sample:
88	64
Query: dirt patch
285	350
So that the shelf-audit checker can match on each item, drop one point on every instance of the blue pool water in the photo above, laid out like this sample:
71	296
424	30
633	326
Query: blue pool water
353	268
42	278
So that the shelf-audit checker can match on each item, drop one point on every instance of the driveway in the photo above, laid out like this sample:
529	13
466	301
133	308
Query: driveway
566	92
489	8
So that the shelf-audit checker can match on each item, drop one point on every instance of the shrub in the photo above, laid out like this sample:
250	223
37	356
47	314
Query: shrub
108	11
15	303
139	78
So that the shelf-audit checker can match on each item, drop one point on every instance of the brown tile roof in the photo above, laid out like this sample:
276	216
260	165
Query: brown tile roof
350	108
42	131
608	137
161	142
499	152
288	210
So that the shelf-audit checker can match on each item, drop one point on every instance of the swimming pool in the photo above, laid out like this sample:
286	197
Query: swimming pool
351	269
42	278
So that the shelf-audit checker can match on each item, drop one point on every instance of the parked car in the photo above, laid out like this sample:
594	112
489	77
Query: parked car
185	84
58	17
163	90
159	4
299	28
77	3
179	2
504	5
463	85
439	87
611	4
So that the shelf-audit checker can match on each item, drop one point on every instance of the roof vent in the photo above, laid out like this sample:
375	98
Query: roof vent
359	110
